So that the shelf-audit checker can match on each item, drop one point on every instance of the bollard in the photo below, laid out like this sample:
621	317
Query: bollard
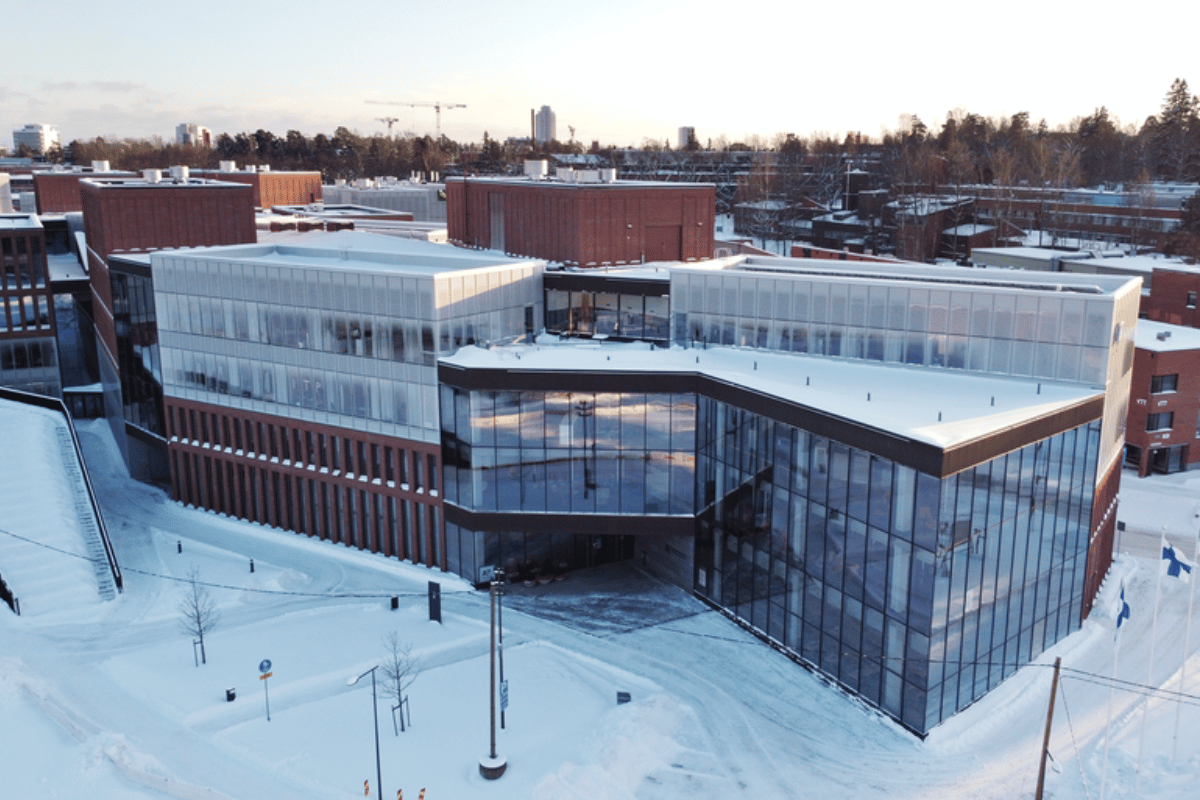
252	565
179	545
395	603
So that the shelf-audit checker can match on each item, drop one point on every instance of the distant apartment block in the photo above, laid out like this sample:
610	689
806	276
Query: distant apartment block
38	138
545	126
1140	217
191	133
687	136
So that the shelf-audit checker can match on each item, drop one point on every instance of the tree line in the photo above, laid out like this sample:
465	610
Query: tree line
967	148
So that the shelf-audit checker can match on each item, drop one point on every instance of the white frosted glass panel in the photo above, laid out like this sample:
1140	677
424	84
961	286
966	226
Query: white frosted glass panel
939	311
1068	362
820	303
1046	358
977	353
1049	316
838	300
783	300
960	312
877	307
1003	316
1022	358
1026	326
897	308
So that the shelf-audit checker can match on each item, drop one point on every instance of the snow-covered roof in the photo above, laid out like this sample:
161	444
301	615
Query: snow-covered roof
944	408
1036	253
19	222
950	277
1145	263
353	250
1173	337
968	230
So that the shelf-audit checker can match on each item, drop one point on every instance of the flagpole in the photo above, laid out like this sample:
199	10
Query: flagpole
1112	685
1153	645
1187	646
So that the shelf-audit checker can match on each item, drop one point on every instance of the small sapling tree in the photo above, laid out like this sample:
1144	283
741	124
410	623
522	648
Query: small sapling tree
198	613
400	668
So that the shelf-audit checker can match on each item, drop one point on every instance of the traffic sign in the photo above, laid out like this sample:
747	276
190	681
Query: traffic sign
503	695
265	665
265	675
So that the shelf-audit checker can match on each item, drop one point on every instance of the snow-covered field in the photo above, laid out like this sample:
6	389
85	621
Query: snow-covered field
103	699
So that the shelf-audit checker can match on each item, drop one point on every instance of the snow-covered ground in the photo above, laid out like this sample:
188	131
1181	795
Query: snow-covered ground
103	699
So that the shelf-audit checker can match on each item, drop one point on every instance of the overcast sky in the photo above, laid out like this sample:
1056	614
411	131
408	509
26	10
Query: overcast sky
618	70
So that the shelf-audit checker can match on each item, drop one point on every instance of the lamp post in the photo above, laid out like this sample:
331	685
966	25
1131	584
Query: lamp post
494	765
375	709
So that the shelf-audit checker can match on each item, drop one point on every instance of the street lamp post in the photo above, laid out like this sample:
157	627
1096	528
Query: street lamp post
494	765
375	709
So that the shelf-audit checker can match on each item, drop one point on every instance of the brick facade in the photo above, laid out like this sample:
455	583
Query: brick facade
584	225
364	490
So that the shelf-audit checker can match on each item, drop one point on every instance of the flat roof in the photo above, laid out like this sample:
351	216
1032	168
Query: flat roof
940	407
1036	253
353	250
20	222
938	276
166	181
1177	337
555	183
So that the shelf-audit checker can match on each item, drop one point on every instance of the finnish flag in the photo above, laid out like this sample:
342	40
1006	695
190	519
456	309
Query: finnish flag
1124	612
1177	566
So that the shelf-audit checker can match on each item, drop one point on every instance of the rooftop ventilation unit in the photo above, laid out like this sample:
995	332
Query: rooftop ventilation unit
228	166
152	175
179	174
100	166
537	169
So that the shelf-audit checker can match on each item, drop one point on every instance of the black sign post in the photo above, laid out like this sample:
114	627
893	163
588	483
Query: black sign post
435	601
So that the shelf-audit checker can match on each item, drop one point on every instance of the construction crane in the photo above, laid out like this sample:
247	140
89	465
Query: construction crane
390	121
437	107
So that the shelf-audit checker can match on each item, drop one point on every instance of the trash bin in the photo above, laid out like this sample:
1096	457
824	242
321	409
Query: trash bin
230	694
623	697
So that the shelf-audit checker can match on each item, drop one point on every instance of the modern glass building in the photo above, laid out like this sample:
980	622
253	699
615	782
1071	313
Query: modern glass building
300	382
905	479
904	476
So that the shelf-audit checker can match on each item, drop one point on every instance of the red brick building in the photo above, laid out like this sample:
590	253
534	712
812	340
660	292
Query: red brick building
58	192
583	224
1164	400
123	221
273	188
1173	293
28	350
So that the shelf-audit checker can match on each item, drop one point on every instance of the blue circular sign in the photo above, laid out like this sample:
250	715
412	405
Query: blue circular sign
265	666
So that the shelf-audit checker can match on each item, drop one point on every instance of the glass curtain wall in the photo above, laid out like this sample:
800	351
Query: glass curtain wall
569	452
138	351
611	314
917	594
1045	334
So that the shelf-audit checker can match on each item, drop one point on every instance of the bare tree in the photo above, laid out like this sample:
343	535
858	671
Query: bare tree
198	613
400	668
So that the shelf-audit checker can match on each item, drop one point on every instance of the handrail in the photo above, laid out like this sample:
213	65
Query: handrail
54	404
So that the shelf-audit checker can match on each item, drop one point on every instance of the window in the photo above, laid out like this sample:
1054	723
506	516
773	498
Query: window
1191	299
1160	422
1163	383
